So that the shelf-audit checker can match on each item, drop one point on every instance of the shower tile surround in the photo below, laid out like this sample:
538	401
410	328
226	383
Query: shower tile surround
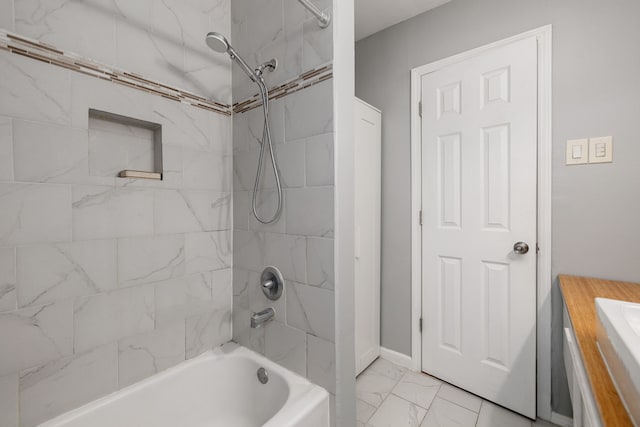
103	280
101	274
161	40
301	242
35	49
40	51
75	248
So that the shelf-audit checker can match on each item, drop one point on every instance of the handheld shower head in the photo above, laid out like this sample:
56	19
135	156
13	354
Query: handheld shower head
217	42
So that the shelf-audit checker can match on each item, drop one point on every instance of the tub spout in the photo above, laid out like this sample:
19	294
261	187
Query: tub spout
260	318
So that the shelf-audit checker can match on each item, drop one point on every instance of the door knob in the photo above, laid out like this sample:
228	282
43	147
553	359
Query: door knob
520	248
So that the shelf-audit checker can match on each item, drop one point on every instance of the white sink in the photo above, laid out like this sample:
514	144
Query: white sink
619	343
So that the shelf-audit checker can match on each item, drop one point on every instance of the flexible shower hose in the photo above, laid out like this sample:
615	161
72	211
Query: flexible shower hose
266	142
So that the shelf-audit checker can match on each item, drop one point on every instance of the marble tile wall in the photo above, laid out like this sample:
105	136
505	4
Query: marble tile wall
282	29
104	281
301	242
159	39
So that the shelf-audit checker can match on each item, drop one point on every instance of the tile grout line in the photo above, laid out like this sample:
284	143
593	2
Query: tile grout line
478	417
392	393
456	403
430	405
483	402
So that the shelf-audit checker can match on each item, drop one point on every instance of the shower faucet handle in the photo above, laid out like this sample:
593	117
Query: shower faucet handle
272	283
269	284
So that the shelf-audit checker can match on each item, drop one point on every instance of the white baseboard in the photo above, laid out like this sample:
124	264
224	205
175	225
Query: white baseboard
561	420
395	357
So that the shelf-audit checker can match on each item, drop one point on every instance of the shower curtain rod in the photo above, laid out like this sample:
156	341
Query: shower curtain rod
324	18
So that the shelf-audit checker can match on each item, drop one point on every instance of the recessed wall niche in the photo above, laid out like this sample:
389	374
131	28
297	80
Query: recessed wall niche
124	146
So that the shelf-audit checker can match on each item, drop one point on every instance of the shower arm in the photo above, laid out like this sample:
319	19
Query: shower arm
324	18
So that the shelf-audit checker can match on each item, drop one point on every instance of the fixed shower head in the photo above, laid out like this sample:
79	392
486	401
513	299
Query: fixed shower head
217	42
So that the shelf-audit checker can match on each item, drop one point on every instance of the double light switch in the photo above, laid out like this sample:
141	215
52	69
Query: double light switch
593	150
601	150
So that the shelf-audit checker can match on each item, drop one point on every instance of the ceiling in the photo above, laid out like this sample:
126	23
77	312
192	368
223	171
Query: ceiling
376	15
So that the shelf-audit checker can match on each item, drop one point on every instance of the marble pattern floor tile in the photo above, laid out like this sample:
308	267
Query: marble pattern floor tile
443	413
460	397
373	388
395	412
418	388
390	395
364	411
386	368
492	415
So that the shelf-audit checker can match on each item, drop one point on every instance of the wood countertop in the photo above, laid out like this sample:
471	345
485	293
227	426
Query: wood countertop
579	294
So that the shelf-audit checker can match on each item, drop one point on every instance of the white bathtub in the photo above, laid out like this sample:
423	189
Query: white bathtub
217	389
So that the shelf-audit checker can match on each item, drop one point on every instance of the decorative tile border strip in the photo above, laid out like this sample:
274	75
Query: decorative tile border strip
46	53
303	81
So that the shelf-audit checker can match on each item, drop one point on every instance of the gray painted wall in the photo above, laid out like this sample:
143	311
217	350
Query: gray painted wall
596	92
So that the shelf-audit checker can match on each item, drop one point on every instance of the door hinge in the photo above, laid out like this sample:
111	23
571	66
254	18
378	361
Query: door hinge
537	248
420	216
420	108
420	324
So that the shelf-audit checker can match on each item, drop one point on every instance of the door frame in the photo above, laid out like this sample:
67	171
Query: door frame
543	36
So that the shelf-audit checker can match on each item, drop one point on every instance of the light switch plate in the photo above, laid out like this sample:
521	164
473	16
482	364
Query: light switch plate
577	151
601	150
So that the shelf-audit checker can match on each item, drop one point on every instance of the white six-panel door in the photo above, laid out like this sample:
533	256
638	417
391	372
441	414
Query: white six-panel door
479	142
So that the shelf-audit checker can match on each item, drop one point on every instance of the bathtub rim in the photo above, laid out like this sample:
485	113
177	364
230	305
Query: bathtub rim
303	395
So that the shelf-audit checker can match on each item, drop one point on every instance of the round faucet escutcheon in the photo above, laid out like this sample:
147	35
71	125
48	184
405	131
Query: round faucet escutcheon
272	283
